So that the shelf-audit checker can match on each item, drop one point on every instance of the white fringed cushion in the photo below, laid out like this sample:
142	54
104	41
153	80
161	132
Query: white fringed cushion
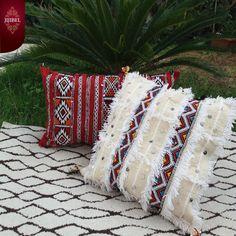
136	92
209	133
159	147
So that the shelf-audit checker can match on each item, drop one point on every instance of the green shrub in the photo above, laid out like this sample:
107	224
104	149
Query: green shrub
103	36
22	95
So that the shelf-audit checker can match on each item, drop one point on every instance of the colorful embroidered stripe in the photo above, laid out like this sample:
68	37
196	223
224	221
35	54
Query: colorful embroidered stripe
63	109
74	108
78	105
130	135
161	182
112	85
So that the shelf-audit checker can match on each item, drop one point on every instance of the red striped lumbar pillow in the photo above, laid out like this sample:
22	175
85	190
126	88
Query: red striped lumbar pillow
77	105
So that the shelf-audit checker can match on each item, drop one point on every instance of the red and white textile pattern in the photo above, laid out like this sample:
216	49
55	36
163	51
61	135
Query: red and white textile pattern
78	105
74	109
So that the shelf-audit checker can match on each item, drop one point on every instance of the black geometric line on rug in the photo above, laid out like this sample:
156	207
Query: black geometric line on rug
213	198
90	231
217	214
34	154
45	181
7	163
37	138
230	186
16	137
225	177
209	232
23	127
75	196
232	141
72	212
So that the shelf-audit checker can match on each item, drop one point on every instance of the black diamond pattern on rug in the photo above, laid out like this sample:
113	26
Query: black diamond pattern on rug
38	197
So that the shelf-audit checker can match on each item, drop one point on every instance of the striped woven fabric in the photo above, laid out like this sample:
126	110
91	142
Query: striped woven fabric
78	105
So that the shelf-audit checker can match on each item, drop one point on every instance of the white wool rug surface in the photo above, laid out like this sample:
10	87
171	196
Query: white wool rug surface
38	197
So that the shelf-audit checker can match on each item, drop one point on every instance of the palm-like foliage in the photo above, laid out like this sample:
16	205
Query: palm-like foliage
102	36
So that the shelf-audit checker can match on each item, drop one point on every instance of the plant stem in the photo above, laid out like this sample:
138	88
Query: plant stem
215	9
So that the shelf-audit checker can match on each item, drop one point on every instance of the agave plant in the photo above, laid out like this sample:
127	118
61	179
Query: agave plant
103	36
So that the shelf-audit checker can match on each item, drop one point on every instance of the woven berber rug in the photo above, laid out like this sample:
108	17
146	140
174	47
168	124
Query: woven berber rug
38	197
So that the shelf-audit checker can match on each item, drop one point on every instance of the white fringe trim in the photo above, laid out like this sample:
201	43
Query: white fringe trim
133	81
157	163
134	152
182	169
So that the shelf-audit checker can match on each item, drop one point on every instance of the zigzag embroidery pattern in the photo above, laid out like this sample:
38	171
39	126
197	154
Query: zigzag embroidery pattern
130	135
170	159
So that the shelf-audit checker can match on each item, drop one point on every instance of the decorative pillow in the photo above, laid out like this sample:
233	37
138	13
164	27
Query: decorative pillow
160	148
78	105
